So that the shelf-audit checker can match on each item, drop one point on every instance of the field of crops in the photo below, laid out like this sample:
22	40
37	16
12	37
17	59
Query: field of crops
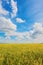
21	54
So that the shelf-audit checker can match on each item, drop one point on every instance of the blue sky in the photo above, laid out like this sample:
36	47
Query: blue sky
21	21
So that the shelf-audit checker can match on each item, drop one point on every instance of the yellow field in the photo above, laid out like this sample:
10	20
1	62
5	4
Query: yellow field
21	54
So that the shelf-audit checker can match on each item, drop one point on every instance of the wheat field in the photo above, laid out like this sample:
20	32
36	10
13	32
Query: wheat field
21	54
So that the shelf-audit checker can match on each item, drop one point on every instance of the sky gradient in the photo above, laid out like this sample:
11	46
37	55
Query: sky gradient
21	21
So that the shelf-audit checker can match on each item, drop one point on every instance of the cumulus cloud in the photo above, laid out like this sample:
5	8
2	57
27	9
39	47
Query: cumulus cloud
14	8
38	27
37	32
10	29
2	10
34	36
19	20
6	25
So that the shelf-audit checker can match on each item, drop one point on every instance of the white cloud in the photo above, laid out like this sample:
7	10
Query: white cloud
6	25
38	27
2	10
19	20
37	32
33	36
14	8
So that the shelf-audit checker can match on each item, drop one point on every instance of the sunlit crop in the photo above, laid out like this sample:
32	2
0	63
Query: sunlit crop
21	54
